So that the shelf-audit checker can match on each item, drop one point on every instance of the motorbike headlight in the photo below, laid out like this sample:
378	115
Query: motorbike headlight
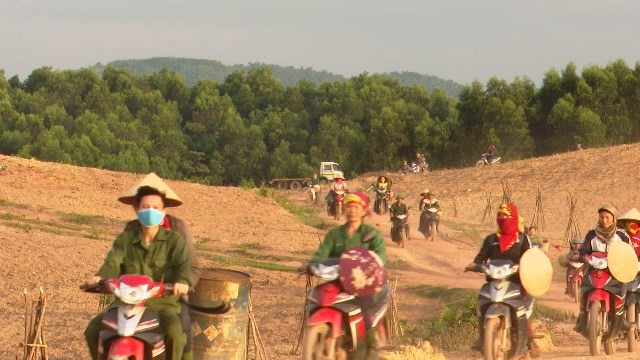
499	272
132	294
599	263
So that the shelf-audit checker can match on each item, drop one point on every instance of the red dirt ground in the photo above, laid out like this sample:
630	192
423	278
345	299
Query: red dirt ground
57	222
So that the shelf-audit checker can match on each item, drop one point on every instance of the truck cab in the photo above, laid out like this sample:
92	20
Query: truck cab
329	171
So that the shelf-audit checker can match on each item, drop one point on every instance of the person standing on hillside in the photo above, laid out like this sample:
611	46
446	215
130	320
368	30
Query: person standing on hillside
154	251
508	243
599	239
173	223
355	233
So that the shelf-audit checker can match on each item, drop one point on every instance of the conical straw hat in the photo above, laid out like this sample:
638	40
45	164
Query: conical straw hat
535	272
623	262
631	214
154	181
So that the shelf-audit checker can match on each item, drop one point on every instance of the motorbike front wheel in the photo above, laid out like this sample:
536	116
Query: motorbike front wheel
632	334
318	344
493	337
338	210
576	291
432	231
595	328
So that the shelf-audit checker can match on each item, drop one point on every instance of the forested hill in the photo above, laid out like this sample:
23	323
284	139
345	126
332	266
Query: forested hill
193	70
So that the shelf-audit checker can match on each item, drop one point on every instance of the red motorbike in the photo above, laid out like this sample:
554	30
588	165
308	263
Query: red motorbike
574	280
129	331
335	207
335	321
604	305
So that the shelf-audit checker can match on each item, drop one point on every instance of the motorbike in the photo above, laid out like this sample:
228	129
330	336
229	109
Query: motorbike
503	312
575	279
314	192
129	331
598	290
334	207
335	320
484	161
416	168
400	230
429	221
632	305
381	203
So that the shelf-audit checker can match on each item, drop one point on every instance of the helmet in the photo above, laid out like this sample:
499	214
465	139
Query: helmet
610	209
576	240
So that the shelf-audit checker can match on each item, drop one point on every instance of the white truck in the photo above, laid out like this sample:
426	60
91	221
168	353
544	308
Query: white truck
328	171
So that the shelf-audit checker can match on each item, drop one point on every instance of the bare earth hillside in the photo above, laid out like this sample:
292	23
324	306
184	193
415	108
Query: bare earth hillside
57	222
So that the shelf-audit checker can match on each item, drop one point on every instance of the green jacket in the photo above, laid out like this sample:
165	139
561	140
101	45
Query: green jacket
164	259
337	241
398	209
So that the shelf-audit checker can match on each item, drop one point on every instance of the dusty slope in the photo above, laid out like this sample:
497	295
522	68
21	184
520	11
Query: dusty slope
36	198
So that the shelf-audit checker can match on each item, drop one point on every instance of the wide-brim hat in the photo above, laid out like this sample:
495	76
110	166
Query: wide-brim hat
622	261
427	192
361	272
609	208
631	214
536	272
154	181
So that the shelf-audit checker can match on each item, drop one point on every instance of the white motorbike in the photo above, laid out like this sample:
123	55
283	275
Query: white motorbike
484	161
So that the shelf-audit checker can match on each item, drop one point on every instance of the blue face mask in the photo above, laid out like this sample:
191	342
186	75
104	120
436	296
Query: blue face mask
150	217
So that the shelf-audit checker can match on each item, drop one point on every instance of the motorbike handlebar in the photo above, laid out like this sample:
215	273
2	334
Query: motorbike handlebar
100	288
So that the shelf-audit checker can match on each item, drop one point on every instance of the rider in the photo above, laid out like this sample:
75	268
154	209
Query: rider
573	255
383	183
509	243
176	224
630	221
427	201
150	250
404	169
355	233
398	208
599	239
490	154
314	183
338	186
421	162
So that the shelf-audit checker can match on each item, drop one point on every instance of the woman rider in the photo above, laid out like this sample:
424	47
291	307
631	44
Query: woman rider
355	233
599	239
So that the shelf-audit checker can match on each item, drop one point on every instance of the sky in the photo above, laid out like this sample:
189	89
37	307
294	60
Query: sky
460	40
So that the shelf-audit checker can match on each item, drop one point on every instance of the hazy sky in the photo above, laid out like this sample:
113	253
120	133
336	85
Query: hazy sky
461	40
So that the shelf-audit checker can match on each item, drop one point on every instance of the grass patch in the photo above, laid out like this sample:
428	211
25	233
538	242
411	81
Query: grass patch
303	213
228	260
82	219
6	202
456	327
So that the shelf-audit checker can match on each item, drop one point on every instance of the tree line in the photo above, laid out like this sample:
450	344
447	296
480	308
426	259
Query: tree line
251	128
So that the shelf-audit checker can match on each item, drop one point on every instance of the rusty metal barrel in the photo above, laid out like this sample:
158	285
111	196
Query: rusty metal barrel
219	314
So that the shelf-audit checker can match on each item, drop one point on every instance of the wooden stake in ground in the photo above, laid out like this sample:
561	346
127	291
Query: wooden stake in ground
254	333
487	217
506	192
455	207
392	318
573	229
34	339
303	318
538	214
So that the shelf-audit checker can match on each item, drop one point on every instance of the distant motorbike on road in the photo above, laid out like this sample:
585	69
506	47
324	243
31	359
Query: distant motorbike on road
314	192
400	230
381	203
484	160
575	279
429	221
632	304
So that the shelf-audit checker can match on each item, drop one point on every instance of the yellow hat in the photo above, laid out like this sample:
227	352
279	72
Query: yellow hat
154	181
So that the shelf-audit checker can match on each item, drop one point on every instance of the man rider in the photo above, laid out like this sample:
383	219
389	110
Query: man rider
355	233
404	169
398	208
427	201
490	154
176	224
154	251
314	183
509	243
